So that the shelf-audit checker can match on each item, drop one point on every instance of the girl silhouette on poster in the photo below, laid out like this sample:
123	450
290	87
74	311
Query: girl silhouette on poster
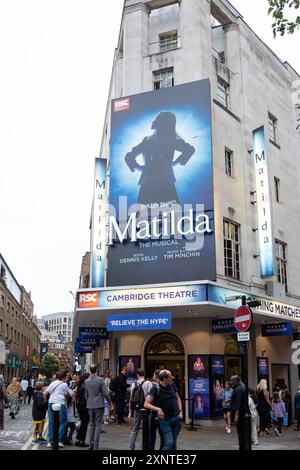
157	181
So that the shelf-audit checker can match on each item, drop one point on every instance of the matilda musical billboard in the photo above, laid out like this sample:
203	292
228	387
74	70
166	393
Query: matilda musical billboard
161	210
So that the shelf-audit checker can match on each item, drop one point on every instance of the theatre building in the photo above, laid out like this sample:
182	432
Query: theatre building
196	205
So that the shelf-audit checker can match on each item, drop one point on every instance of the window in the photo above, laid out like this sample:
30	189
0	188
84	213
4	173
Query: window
231	249
223	92
2	301
229	162
1	327
272	128
163	78
168	41
281	262
277	188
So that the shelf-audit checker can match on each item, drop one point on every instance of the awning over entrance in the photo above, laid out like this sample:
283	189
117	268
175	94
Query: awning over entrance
202	299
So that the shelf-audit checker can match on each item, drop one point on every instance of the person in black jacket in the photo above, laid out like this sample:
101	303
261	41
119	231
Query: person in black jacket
39	409
83	412
119	386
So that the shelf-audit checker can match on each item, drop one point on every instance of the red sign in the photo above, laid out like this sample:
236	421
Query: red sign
87	299
243	318
121	104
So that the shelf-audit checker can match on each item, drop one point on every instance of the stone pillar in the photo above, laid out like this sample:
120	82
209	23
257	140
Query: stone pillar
136	31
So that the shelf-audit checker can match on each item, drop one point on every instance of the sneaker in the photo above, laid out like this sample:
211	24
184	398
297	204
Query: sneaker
60	444
276	432
41	439
226	428
34	441
255	443
84	444
49	445
228	431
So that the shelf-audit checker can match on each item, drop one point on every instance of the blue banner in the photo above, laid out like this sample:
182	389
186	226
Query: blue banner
277	329
139	321
93	332
263	203
91	342
82	349
99	224
224	325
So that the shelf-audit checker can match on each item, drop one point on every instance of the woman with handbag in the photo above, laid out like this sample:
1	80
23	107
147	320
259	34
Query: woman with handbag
4	402
14	392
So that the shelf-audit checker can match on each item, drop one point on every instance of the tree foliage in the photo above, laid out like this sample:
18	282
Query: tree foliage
50	364
279	11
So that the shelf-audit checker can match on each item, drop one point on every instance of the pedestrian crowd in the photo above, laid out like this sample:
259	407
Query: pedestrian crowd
89	400
265	411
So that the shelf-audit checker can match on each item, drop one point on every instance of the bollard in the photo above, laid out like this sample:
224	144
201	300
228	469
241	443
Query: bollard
145	429
56	410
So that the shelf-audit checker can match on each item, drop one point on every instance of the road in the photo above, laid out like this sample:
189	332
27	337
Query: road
16	431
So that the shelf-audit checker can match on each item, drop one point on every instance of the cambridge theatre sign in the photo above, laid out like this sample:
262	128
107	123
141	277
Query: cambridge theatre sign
202	293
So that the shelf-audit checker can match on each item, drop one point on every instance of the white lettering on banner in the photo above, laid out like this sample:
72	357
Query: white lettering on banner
99	224
187	225
263	202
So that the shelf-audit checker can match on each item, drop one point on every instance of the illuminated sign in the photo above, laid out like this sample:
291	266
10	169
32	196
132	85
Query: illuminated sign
139	321
137	298
99	224
161	204
263	202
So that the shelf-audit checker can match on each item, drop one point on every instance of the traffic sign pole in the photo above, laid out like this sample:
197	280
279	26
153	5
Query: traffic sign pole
243	322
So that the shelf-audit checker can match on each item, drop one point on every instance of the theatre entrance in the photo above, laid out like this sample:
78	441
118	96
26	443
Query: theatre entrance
166	351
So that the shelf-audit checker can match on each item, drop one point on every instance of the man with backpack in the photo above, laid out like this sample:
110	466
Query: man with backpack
138	392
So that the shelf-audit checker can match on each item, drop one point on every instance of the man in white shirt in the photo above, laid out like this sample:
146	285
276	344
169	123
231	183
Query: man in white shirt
24	386
138	393
58	391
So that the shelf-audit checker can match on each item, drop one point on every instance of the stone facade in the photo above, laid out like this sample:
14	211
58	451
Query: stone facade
18	327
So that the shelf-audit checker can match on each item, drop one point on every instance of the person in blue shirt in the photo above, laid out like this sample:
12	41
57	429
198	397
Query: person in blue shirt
226	405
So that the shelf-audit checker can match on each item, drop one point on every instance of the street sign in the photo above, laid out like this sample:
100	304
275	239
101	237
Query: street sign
243	318
245	336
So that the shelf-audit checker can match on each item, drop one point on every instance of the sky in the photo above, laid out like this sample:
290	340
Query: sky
55	66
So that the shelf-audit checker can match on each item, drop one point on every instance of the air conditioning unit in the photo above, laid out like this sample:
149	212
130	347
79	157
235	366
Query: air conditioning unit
270	288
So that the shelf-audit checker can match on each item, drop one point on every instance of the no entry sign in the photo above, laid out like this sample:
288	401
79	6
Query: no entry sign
243	318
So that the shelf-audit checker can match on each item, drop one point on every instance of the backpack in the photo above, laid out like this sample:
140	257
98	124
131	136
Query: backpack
113	385
137	397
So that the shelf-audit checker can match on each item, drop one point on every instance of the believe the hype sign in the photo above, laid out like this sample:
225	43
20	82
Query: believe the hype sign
161	208
263	202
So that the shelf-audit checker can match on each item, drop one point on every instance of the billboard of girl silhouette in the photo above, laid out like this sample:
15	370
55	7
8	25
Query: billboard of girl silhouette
160	163
157	181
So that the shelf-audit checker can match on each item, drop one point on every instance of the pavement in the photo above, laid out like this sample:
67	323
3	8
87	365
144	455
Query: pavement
17	436
16	431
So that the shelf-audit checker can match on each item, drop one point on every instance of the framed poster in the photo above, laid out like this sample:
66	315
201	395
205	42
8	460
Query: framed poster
263	369
218	382
132	363
199	384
